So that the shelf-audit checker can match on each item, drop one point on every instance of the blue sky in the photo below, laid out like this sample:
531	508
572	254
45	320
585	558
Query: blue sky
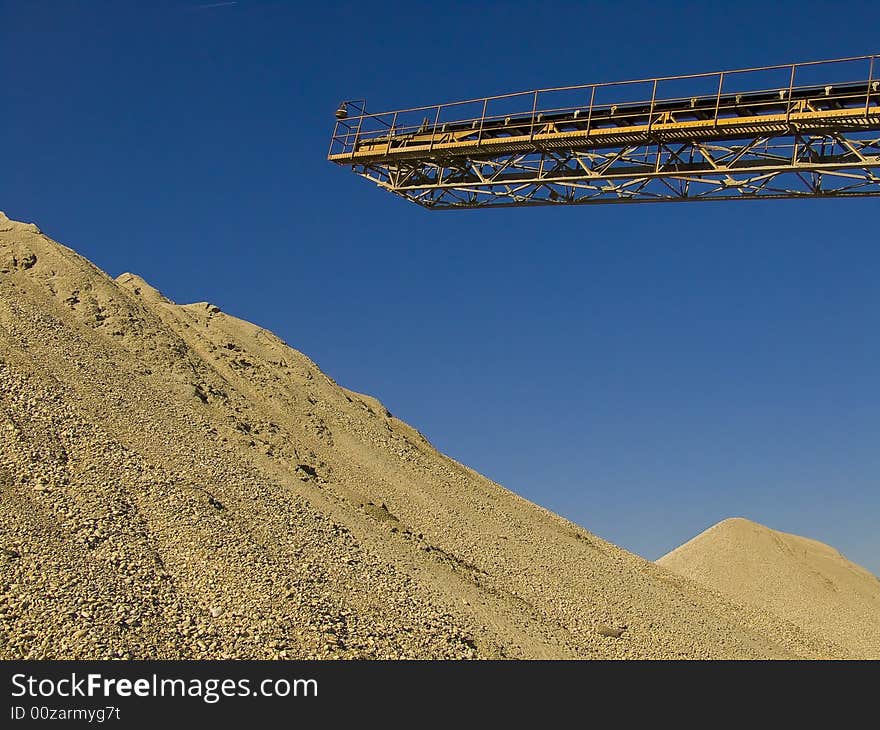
643	370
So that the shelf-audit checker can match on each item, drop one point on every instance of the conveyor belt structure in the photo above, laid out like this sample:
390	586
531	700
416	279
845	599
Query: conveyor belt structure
799	130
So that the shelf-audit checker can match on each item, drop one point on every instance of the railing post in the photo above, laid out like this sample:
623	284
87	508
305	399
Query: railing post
482	121
434	129
357	133
651	111
718	99
870	81
333	138
790	89
590	112
391	132
534	110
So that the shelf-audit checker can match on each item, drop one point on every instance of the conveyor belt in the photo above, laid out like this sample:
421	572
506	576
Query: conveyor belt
794	140
611	124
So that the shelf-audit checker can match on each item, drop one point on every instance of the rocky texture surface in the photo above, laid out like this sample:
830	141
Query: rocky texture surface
804	580
175	482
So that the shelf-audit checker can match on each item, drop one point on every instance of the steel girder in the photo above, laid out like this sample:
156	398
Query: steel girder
829	164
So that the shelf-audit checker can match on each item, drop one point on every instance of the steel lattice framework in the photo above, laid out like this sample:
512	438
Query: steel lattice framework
800	130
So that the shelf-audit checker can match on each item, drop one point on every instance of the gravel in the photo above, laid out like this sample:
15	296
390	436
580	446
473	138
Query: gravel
178	483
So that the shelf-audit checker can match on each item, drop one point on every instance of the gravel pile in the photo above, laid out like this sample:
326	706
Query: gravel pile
806	581
175	482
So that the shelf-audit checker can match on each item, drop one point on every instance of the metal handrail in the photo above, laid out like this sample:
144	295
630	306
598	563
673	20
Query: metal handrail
576	87
400	130
356	124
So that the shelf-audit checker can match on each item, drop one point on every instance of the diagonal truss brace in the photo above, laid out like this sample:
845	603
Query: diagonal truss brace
829	164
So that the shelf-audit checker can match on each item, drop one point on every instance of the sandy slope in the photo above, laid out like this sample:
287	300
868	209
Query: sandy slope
804	580
175	482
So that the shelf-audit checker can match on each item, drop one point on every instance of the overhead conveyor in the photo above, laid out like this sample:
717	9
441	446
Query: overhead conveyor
800	130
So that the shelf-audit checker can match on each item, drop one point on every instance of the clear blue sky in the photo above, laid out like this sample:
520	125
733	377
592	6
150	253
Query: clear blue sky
643	370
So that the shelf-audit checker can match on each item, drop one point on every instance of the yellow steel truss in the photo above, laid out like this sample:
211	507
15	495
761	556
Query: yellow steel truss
800	130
